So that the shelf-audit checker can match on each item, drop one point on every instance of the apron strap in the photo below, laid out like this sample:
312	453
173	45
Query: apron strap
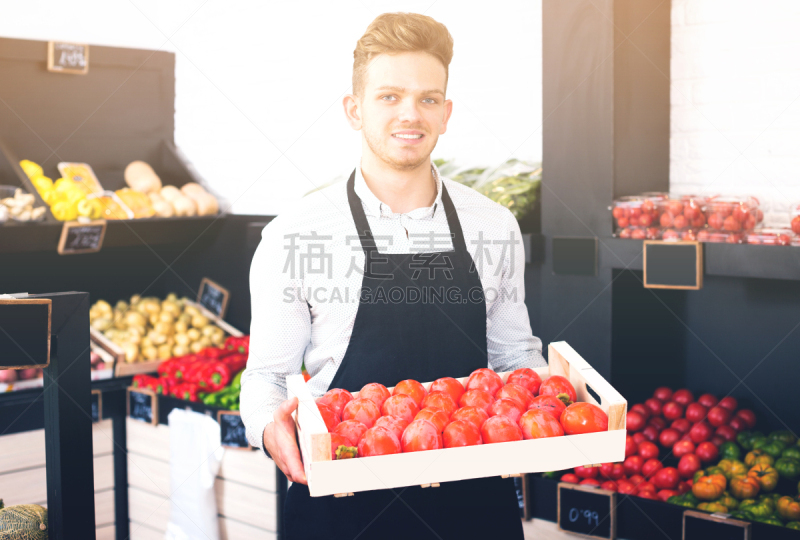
365	231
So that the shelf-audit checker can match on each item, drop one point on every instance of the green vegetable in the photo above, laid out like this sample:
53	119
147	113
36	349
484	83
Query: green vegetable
730	450
791	452
773	447
788	467
771	521
761	509
793	525
785	436
743	514
747	438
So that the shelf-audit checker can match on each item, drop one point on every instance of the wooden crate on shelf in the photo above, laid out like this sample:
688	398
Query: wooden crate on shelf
327	477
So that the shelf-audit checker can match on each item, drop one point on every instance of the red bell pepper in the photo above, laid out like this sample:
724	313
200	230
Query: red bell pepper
216	376
238	344
235	362
214	353
186	391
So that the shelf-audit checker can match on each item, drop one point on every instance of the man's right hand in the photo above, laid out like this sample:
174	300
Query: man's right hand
281	442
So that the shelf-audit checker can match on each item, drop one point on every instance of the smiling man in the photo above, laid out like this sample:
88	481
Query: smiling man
396	274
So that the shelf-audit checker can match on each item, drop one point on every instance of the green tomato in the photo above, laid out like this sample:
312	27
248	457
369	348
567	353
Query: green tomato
785	436
772	447
788	467
730	450
771	521
743	514
759	510
746	438
793	525
791	452
690	498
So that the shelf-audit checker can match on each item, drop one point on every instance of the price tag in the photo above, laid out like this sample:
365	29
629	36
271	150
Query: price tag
673	265
699	525
231	429
25	339
97	406
588	511
79	237
63	57
213	297
143	405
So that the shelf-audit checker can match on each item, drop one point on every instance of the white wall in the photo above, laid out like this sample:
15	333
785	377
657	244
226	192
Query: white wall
735	122
260	83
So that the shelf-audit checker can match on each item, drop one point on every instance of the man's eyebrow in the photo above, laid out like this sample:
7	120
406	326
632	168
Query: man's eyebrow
402	89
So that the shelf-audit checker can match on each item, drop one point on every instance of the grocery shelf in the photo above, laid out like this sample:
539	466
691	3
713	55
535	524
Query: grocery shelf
732	260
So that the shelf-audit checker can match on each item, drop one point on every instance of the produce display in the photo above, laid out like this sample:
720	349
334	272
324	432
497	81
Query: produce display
19	207
149	329
450	414
79	194
23	522
795	223
702	453
213	375
771	237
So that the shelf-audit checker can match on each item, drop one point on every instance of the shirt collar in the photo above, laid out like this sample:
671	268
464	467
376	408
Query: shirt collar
374	207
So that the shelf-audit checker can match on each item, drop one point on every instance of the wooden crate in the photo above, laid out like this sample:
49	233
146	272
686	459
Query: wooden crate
327	477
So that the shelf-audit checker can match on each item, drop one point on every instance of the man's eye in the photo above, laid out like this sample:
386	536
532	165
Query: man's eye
387	98
430	100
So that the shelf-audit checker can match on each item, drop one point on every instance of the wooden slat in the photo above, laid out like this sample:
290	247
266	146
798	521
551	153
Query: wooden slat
107	532
250	468
148	509
249	505
104	507
102	437
103	472
235	530
148	440
148	474
23	487
142	532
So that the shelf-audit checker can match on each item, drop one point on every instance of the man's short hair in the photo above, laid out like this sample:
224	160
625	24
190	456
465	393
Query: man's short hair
392	33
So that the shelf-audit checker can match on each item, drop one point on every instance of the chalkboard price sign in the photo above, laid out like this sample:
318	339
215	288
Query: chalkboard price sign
701	526
232	430
97	406
25	339
213	297
79	237
587	511
65	57
143	405
673	265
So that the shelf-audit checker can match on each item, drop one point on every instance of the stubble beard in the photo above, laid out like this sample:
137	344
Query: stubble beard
381	151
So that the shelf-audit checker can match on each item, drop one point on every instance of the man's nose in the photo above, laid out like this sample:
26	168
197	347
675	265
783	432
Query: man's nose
409	111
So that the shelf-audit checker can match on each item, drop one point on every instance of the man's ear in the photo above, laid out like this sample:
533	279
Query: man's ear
352	110
448	110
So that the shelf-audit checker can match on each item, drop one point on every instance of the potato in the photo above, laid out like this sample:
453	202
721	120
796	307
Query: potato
122	305
196	347
134	337
150	353
164	328
191	310
199	321
181	326
103	305
135	299
209	330
145	342
180	350
171	307
205	341
131	352
218	340
157	339
102	323
166	316
134	318
182	339
193	333
164	352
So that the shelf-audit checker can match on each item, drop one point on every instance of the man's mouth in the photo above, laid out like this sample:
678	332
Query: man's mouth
407	136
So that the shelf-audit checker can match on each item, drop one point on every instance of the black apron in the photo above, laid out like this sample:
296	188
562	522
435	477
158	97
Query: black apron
395	337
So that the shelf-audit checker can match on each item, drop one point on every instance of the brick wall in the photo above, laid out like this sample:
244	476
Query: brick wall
735	120
253	76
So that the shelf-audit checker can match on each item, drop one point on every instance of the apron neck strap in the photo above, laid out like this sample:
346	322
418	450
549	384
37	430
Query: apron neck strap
365	231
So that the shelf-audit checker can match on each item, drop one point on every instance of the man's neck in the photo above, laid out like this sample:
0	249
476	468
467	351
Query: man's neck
402	191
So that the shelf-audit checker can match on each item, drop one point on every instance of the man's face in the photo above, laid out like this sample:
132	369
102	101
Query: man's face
403	108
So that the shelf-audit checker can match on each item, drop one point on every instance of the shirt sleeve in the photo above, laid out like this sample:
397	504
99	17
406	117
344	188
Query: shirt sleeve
510	341
280	330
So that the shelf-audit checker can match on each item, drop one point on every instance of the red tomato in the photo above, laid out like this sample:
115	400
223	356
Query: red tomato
657	422
663	393
719	416
631	446
654	405
681	448
717	441
682	425
438	417
586	472
707	452
625	488
737	424
672	410
665	494
683	397
651	433
538	424
557	385
336	399
636	479
726	432
517	393
666	478
695	412
412	388
550	404
485	379
570	478
590	482
583	418
606	469
450	386
647	450
729	403
700	432
527	378
421	435
500	429
638	438
442	401
506	407
647	494
352	430
646	486
400	405
378	441
669	437
330	418
688	465
609	485
634	421
474	415
337	441
362	409
393	423
633	465
375	392
708	400
747	416
641	409
683	487
476	398
461	433
651	467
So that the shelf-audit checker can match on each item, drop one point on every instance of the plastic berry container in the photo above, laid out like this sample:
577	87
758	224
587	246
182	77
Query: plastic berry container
720	237
795	223
770	237
636	233
635	211
732	214
679	215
